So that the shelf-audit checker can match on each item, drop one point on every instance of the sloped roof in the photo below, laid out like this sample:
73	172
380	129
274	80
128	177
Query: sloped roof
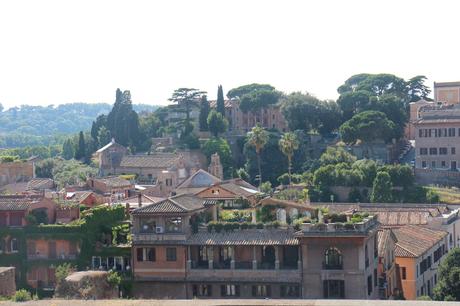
178	204
158	160
114	181
15	203
245	237
39	183
227	103
201	178
383	237
414	241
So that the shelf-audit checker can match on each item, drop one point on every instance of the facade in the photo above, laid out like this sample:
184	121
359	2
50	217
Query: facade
174	256
232	193
17	171
447	92
387	270
418	252
240	123
109	157
437	146
14	209
114	186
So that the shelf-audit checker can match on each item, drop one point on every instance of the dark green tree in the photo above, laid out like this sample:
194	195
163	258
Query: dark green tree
186	98
101	121
80	152
68	149
301	111
382	188
417	89
220	105
448	286
217	124
367	127
204	113
221	147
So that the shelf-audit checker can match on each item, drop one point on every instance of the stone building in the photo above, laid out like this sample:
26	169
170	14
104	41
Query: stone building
7	281
175	257
447	92
437	145
17	171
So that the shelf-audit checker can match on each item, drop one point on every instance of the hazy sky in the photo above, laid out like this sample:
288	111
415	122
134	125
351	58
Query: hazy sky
54	52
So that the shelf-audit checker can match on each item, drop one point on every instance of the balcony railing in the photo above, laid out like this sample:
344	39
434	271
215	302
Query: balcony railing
266	265
332	266
221	265
339	228
243	265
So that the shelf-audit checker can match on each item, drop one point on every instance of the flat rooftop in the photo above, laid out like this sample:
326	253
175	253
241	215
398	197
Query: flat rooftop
229	302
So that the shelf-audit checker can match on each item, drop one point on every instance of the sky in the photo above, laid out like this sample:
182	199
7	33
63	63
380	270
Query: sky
55	52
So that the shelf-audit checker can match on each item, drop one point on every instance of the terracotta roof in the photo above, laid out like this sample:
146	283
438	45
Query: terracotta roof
201	178
383	237
245	237
414	241
178	204
227	103
114	181
40	183
159	160
12	203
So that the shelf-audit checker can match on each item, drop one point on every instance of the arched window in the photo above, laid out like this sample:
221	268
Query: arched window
333	259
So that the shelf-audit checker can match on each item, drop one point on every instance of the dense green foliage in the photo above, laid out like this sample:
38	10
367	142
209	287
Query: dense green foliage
381	189
448	286
217	124
205	108
221	147
254	97
220	103
368	126
64	172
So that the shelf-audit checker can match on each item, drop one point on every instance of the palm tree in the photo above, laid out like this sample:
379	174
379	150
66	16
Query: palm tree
258	137
288	144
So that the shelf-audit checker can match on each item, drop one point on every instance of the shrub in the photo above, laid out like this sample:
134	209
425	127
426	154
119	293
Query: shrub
338	218
113	278
21	295
218	227
349	226
320	226
260	225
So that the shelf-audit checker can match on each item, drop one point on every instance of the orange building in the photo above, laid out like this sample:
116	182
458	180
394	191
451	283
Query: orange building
419	250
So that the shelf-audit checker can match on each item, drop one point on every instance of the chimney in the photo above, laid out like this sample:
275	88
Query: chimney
139	199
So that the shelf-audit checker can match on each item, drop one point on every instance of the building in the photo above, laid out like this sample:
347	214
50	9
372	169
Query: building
339	263
7	281
418	252
17	171
437	146
447	92
231	193
175	255
113	186
14	209
240	123
109	157
387	269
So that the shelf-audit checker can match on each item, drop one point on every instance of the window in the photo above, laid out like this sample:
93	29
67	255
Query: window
145	254
451	132
261	291
148	226
15	219
376	247
14	245
292	291
443	163
442	151
403	273
423	151
229	290
334	289
174	225
366	255
433	151
333	259
452	151
369	285
202	290
433	164
420	133
423	164
171	254
375	277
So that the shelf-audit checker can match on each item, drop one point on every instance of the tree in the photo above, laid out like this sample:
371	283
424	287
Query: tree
217	124
204	113
417	89
353	102
68	149
220	105
221	147
367	127
448	286
101	121
336	155
185	98
288	144
239	92
381	190
301	111
80	152
258	138
103	136
44	168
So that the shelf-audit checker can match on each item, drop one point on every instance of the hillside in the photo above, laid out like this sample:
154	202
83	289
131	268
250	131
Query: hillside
34	125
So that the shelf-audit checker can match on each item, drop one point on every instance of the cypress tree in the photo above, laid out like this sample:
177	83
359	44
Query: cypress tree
80	153
204	113
220	101
67	150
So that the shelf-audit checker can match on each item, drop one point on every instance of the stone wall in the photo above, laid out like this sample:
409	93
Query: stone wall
7	281
437	177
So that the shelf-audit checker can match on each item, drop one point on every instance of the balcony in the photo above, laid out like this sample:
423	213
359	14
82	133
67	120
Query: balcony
152	237
338	229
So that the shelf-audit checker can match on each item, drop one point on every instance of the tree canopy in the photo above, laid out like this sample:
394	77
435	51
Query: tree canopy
217	124
367	127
